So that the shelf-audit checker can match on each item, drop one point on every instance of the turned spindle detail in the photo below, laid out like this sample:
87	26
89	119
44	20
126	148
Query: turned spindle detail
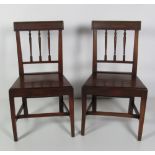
49	47
124	44
30	43
115	42
39	41
105	57
37	36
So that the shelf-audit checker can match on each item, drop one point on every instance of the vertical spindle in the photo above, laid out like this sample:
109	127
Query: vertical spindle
39	40
49	55
115	42
105	57
30	43
124	45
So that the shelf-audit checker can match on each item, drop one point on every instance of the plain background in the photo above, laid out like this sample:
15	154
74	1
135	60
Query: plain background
77	38
77	49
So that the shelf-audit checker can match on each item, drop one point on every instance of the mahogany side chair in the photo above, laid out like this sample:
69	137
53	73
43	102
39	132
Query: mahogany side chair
40	84
114	83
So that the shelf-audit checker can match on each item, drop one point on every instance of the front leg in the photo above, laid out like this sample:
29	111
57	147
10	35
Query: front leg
142	115
13	117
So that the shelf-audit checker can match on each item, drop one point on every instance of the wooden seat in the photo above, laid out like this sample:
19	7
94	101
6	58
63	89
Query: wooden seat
39	80
111	83
52	82
111	80
40	84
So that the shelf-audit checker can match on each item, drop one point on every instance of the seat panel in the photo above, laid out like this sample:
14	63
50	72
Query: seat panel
114	80
48	80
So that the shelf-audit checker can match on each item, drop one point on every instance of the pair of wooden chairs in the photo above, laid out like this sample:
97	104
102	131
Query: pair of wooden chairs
49	84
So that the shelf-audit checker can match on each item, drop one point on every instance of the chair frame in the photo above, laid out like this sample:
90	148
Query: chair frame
115	92
40	92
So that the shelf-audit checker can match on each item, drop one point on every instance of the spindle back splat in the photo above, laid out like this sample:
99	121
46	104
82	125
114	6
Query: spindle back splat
39	26
116	26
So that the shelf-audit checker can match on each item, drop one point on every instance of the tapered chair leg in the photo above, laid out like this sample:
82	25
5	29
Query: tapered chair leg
61	103
142	115
94	105
13	117
25	106
71	109
131	103
83	115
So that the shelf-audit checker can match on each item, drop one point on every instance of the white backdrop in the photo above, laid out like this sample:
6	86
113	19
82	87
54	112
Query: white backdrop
77	38
77	55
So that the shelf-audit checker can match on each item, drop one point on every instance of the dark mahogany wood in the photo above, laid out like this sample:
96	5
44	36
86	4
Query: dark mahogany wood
116	25
105	57
41	25
44	84
49	47
124	44
115	42
115	84
30	43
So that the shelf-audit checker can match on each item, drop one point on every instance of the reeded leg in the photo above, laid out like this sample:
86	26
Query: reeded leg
13	117
25	106
142	115
94	105
131	103
71	109
61	103
83	114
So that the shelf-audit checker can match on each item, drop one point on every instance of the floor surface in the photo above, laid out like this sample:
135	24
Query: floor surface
102	133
